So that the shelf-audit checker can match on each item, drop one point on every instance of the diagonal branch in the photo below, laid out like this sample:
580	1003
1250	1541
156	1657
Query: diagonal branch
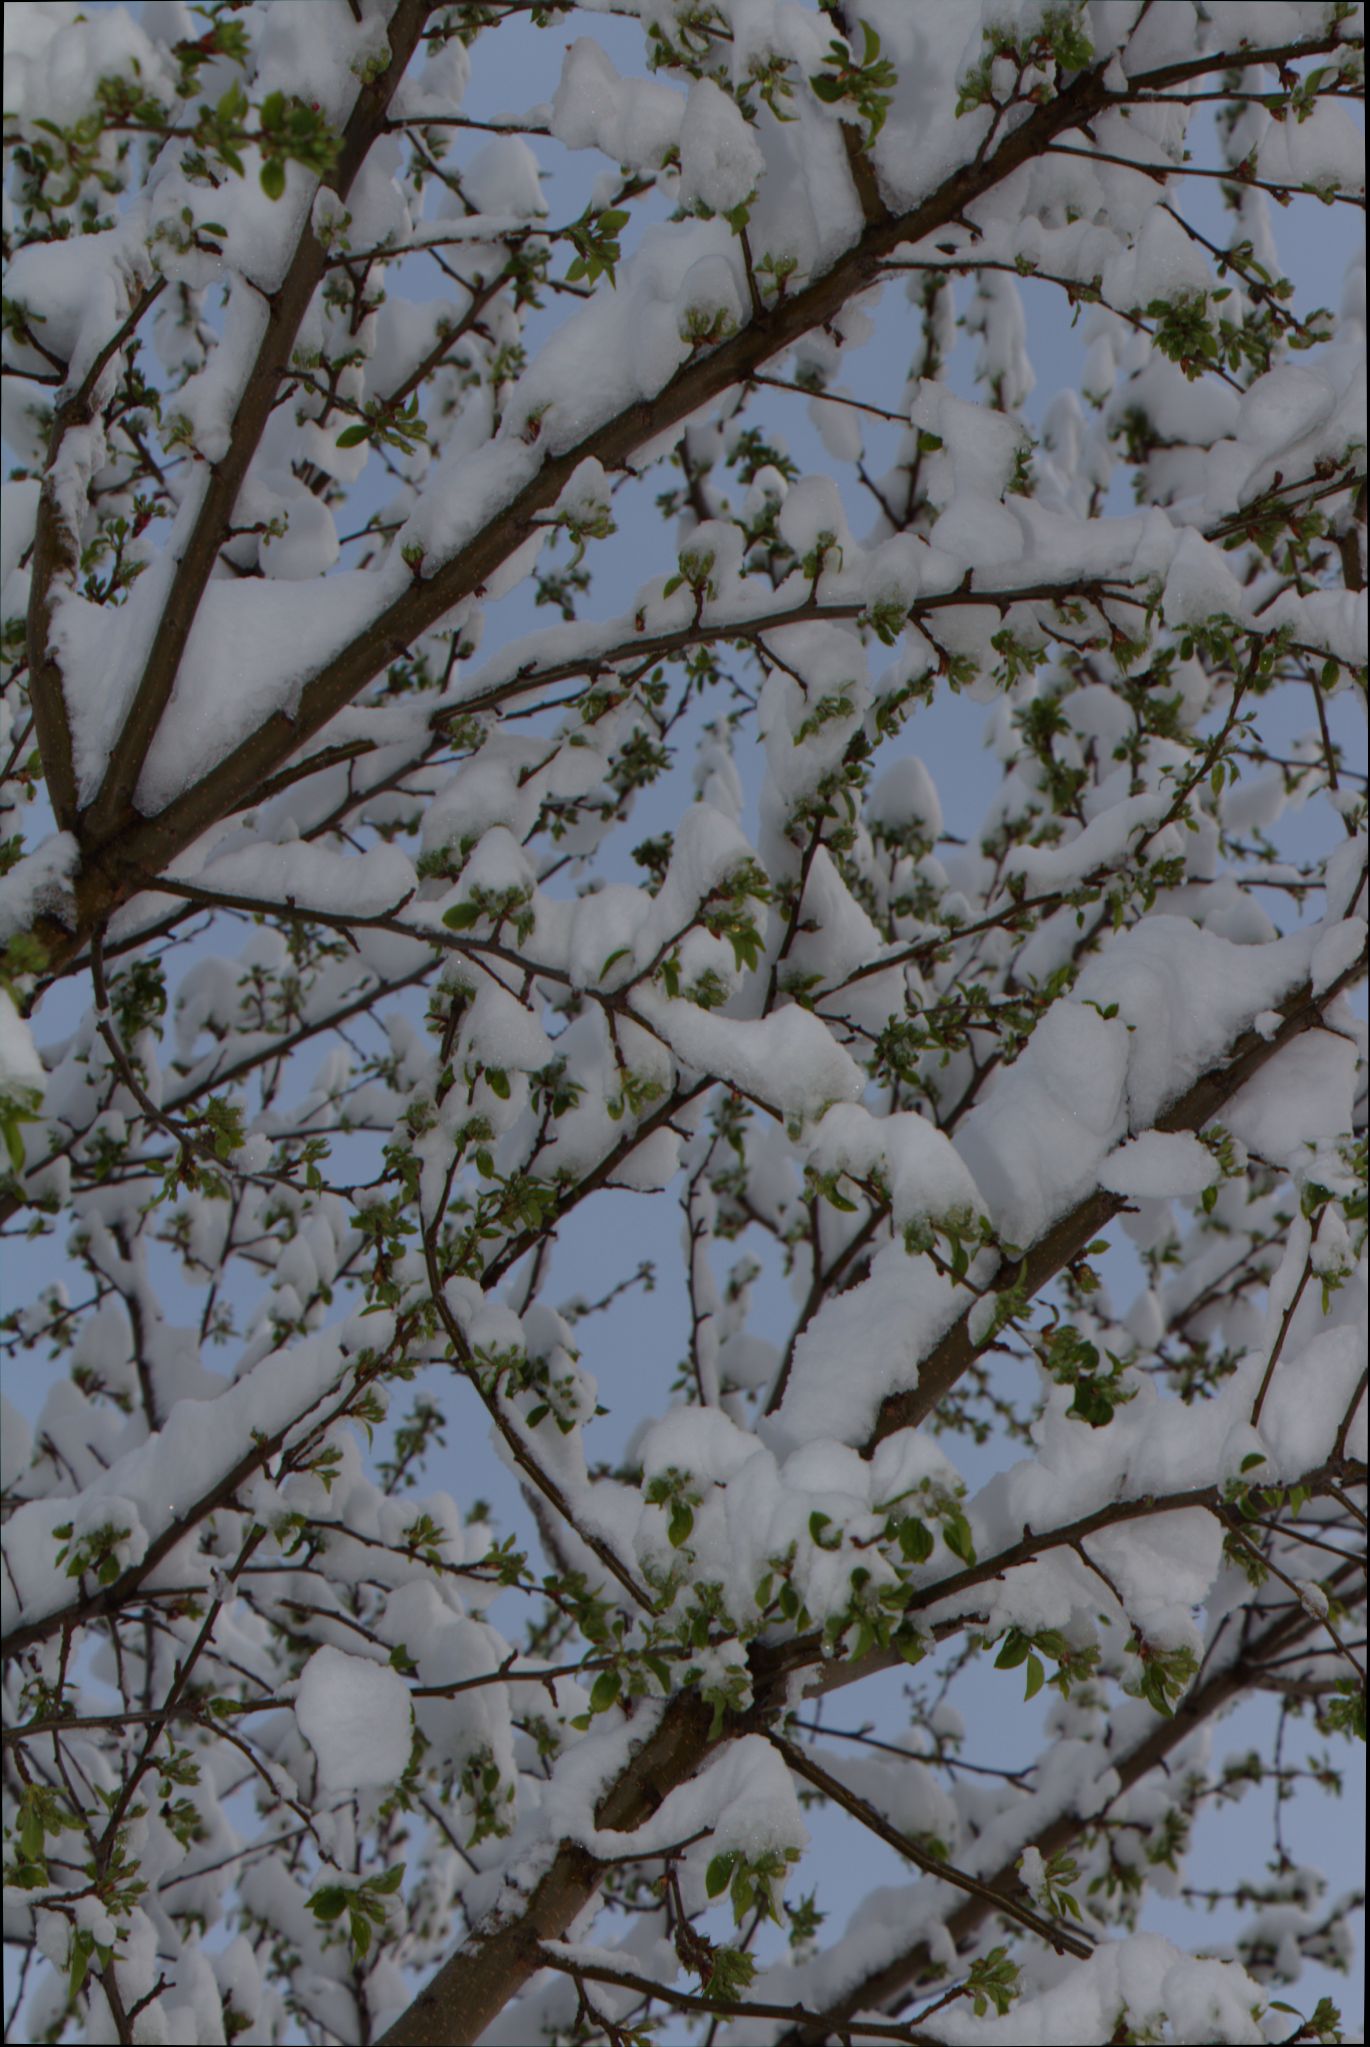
860	1809
884	1987
1067	1237
224	479
107	1601
54	551
123	845
500	1956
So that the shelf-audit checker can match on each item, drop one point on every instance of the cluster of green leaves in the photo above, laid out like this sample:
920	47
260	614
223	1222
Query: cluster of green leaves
1344	1711
60	162
703	326
688	44
727	912
1324	2024
1055	1894
363	1903
1075	1662
84	1950
993	1980
750	1880
1165	1674
512	1372
874	1614
388	425
500	906
1247	1498
41	1811
676	1493
289	130
96	1551
594	237
490	1797
1059	44
561	583
868	85
1073	1361
19	1105
909	1532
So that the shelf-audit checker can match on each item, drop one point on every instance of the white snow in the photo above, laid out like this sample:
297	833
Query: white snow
22	1078
356	1716
1036	1143
720	159
788	1059
1101	844
1155	1165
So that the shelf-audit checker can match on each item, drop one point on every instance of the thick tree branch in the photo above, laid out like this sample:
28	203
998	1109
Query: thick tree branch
1058	1937
1066	1239
467	1988
880	1988
122	847
110	812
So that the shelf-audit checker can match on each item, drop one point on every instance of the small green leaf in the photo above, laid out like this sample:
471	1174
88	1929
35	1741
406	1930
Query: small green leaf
1036	1677
604	1691
718	1875
1014	1651
351	436
273	176
915	1540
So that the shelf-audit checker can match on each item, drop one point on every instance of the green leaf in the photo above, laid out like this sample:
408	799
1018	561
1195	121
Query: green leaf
681	1523
718	1875
461	916
273	177
350	437
78	1962
1014	1651
915	1540
604	1691
1036	1677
